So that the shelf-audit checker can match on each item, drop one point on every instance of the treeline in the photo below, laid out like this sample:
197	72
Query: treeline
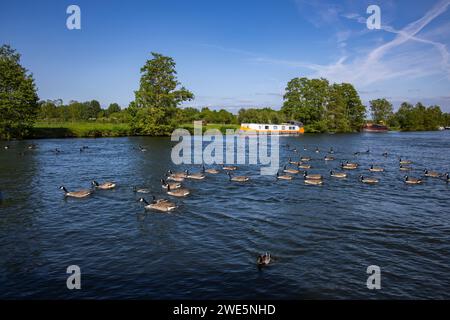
56	111
409	117
318	104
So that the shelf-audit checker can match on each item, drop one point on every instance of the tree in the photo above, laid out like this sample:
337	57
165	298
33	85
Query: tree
381	110
305	100
113	108
354	109
336	112
158	97
18	97
93	108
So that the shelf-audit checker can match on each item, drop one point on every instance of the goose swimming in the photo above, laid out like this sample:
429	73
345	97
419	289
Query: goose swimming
376	169
338	174
312	176
172	186
210	171
238	178
368	180
194	176
409	180
432	174
264	260
76	194
284	177
160	205
104	186
180	192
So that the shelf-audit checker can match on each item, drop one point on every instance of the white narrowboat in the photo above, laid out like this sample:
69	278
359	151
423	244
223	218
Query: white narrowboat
291	127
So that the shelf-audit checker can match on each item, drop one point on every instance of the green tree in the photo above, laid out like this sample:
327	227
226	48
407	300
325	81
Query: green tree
306	99
113	108
381	110
18	98
355	111
158	97
92	110
336	111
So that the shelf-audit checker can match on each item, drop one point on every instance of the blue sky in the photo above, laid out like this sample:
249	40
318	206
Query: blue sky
234	54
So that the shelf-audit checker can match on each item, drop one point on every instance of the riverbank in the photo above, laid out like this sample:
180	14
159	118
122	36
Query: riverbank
52	130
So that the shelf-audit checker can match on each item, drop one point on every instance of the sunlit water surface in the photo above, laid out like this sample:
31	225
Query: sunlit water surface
323	238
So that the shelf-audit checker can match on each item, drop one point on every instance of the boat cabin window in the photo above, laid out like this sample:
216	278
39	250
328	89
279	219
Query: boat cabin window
275	127
266	127
283	128
259	127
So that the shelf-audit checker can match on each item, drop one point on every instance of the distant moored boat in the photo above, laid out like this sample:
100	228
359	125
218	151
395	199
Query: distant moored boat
370	127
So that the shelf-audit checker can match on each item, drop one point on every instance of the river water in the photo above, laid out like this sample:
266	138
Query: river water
322	238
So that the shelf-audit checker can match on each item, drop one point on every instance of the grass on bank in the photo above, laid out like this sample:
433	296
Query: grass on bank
79	129
84	129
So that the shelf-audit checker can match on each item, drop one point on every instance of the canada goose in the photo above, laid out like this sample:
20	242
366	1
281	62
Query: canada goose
368	180
331	151
229	168
177	176
141	190
284	177
210	171
304	166
181	192
432	174
305	159
447	178
338	174
403	168
409	180
76	194
6	147
141	148
376	169
328	158
293	162
238	178
317	150
173	186
313	182
352	164
312	176
405	161
194	176
305	148
160	205
385	154
32	146
349	166
291	171
264	260
104	186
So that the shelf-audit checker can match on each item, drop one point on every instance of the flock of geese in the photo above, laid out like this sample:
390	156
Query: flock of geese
172	183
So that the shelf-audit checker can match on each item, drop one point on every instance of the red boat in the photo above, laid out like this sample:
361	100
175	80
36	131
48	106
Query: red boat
370	127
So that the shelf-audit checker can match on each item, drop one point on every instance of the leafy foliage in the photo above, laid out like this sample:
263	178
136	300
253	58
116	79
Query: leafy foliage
381	110
323	107
18	97
157	99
